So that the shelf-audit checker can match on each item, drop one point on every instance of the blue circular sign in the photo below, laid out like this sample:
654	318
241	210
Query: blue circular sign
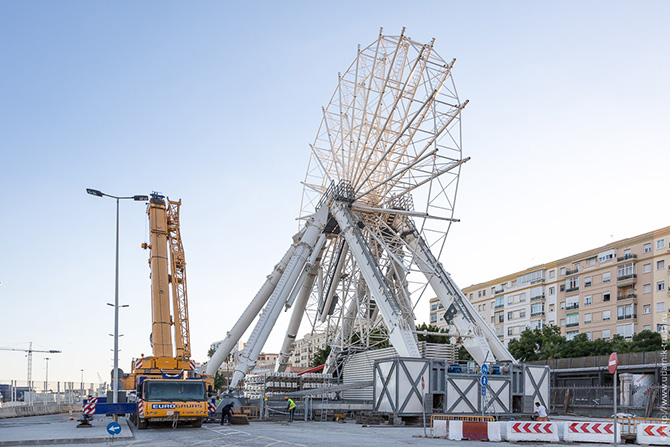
484	381
485	368
113	428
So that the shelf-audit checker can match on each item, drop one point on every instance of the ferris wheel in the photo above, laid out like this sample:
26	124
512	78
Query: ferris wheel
377	204
392	133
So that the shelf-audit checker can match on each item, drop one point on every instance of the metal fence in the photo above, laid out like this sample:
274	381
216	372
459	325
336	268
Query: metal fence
19	392
563	399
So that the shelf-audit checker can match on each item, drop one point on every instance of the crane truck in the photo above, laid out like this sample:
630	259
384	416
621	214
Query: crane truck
167	386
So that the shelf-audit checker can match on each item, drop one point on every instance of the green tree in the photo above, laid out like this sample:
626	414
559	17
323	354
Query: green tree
646	341
319	357
220	381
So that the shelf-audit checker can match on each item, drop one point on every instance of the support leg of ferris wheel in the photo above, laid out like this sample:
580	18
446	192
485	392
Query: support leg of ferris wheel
252	310
478	337
249	355
346	327
400	333
303	289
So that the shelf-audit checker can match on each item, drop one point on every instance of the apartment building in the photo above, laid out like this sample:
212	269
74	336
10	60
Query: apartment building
620	288
305	348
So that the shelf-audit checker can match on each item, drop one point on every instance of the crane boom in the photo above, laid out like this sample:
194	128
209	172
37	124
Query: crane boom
178	281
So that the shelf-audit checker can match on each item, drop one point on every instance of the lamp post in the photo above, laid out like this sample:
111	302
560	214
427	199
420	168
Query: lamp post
137	198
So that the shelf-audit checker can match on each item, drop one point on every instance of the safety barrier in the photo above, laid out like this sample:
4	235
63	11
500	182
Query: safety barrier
590	432
471	430
629	425
250	411
36	410
532	431
653	434
438	422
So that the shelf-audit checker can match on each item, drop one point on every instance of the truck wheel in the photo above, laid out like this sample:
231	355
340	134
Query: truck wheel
197	423
142	424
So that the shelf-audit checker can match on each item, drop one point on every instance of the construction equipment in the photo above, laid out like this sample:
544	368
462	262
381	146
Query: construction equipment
389	142
30	351
167	385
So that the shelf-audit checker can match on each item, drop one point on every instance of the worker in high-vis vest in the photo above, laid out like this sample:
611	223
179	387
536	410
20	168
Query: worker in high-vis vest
290	406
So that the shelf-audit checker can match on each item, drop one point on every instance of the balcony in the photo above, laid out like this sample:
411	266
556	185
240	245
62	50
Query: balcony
627	276
537	314
626	317
571	272
626	297
572	324
498	306
499	291
626	257
572	306
539	297
571	289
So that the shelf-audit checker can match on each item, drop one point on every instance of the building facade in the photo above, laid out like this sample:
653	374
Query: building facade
304	349
620	288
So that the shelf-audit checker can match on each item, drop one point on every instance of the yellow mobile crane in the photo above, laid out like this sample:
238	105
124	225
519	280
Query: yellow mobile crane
168	387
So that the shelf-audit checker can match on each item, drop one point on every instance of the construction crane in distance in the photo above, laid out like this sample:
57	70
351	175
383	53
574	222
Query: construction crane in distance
30	351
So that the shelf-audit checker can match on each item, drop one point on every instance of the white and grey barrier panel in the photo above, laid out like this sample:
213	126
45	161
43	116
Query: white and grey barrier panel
532	431
591	432
653	434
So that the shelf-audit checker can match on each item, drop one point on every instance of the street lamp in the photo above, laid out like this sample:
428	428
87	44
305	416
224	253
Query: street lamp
137	198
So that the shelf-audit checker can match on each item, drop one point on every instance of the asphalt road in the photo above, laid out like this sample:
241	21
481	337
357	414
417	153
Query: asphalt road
257	434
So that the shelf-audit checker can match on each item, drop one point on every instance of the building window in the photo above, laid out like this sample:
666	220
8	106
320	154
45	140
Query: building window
606	276
484	306
592	261
571	335
433	318
562	270
510	299
509	331
493	318
562	289
470	296
572	320
587	318
660	306
646	327
433	306
510	316
626	330
522	314
626	271
661	327
484	292
562	321
562	304
572	284
646	288
552	290
587	300
606	315
552	274
646	309
500	301
646	268
660	244
536	309
606	334
551	308
588	336
606	255
660	265
625	312
660	285
587	281
572	302
606	296
647	247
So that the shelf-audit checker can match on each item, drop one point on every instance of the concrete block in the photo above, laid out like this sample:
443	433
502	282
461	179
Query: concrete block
590	432
532	431
653	434
455	431
440	428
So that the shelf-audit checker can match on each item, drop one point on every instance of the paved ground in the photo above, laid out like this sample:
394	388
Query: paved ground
50	430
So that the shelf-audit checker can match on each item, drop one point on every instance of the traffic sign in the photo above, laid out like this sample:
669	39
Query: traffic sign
485	368
613	363
484	381
113	428
483	391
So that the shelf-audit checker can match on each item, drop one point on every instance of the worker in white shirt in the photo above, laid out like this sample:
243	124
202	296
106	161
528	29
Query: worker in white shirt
540	412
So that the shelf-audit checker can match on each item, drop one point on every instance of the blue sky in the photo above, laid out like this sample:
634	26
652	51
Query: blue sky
216	102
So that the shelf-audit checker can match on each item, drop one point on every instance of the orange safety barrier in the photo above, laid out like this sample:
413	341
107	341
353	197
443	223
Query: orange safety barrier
251	411
460	417
629	425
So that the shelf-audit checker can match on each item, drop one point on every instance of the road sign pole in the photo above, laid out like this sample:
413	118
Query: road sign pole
615	409
423	404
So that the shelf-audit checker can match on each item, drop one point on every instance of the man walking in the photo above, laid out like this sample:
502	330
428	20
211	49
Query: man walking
290	406
540	412
227	411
